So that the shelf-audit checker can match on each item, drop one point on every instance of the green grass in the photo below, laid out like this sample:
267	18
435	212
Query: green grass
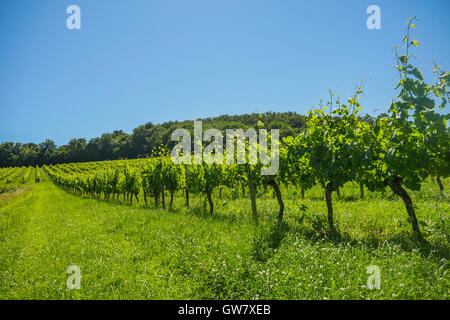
134	252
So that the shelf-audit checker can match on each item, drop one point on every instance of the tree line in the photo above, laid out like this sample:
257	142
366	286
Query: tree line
141	143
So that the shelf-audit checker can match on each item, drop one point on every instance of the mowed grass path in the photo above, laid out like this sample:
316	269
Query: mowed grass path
132	252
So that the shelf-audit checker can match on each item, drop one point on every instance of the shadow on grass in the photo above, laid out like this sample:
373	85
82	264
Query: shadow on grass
201	212
267	239
405	240
349	198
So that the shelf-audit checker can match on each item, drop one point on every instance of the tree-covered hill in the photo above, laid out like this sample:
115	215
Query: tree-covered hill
140	143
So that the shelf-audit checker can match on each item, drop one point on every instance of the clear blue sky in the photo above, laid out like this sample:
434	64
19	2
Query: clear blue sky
139	61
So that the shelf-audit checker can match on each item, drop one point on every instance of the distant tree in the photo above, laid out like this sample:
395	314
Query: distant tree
45	150
143	141
6	153
76	150
29	154
140	140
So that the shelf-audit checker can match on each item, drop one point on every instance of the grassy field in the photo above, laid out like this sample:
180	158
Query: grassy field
134	252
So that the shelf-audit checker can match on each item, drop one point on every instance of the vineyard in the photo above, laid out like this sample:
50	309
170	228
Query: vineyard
349	193
14	178
107	218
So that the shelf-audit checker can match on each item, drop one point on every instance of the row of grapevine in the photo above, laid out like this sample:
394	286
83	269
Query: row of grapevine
12	178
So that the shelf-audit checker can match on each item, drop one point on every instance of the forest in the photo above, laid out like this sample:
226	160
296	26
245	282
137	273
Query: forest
141	143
